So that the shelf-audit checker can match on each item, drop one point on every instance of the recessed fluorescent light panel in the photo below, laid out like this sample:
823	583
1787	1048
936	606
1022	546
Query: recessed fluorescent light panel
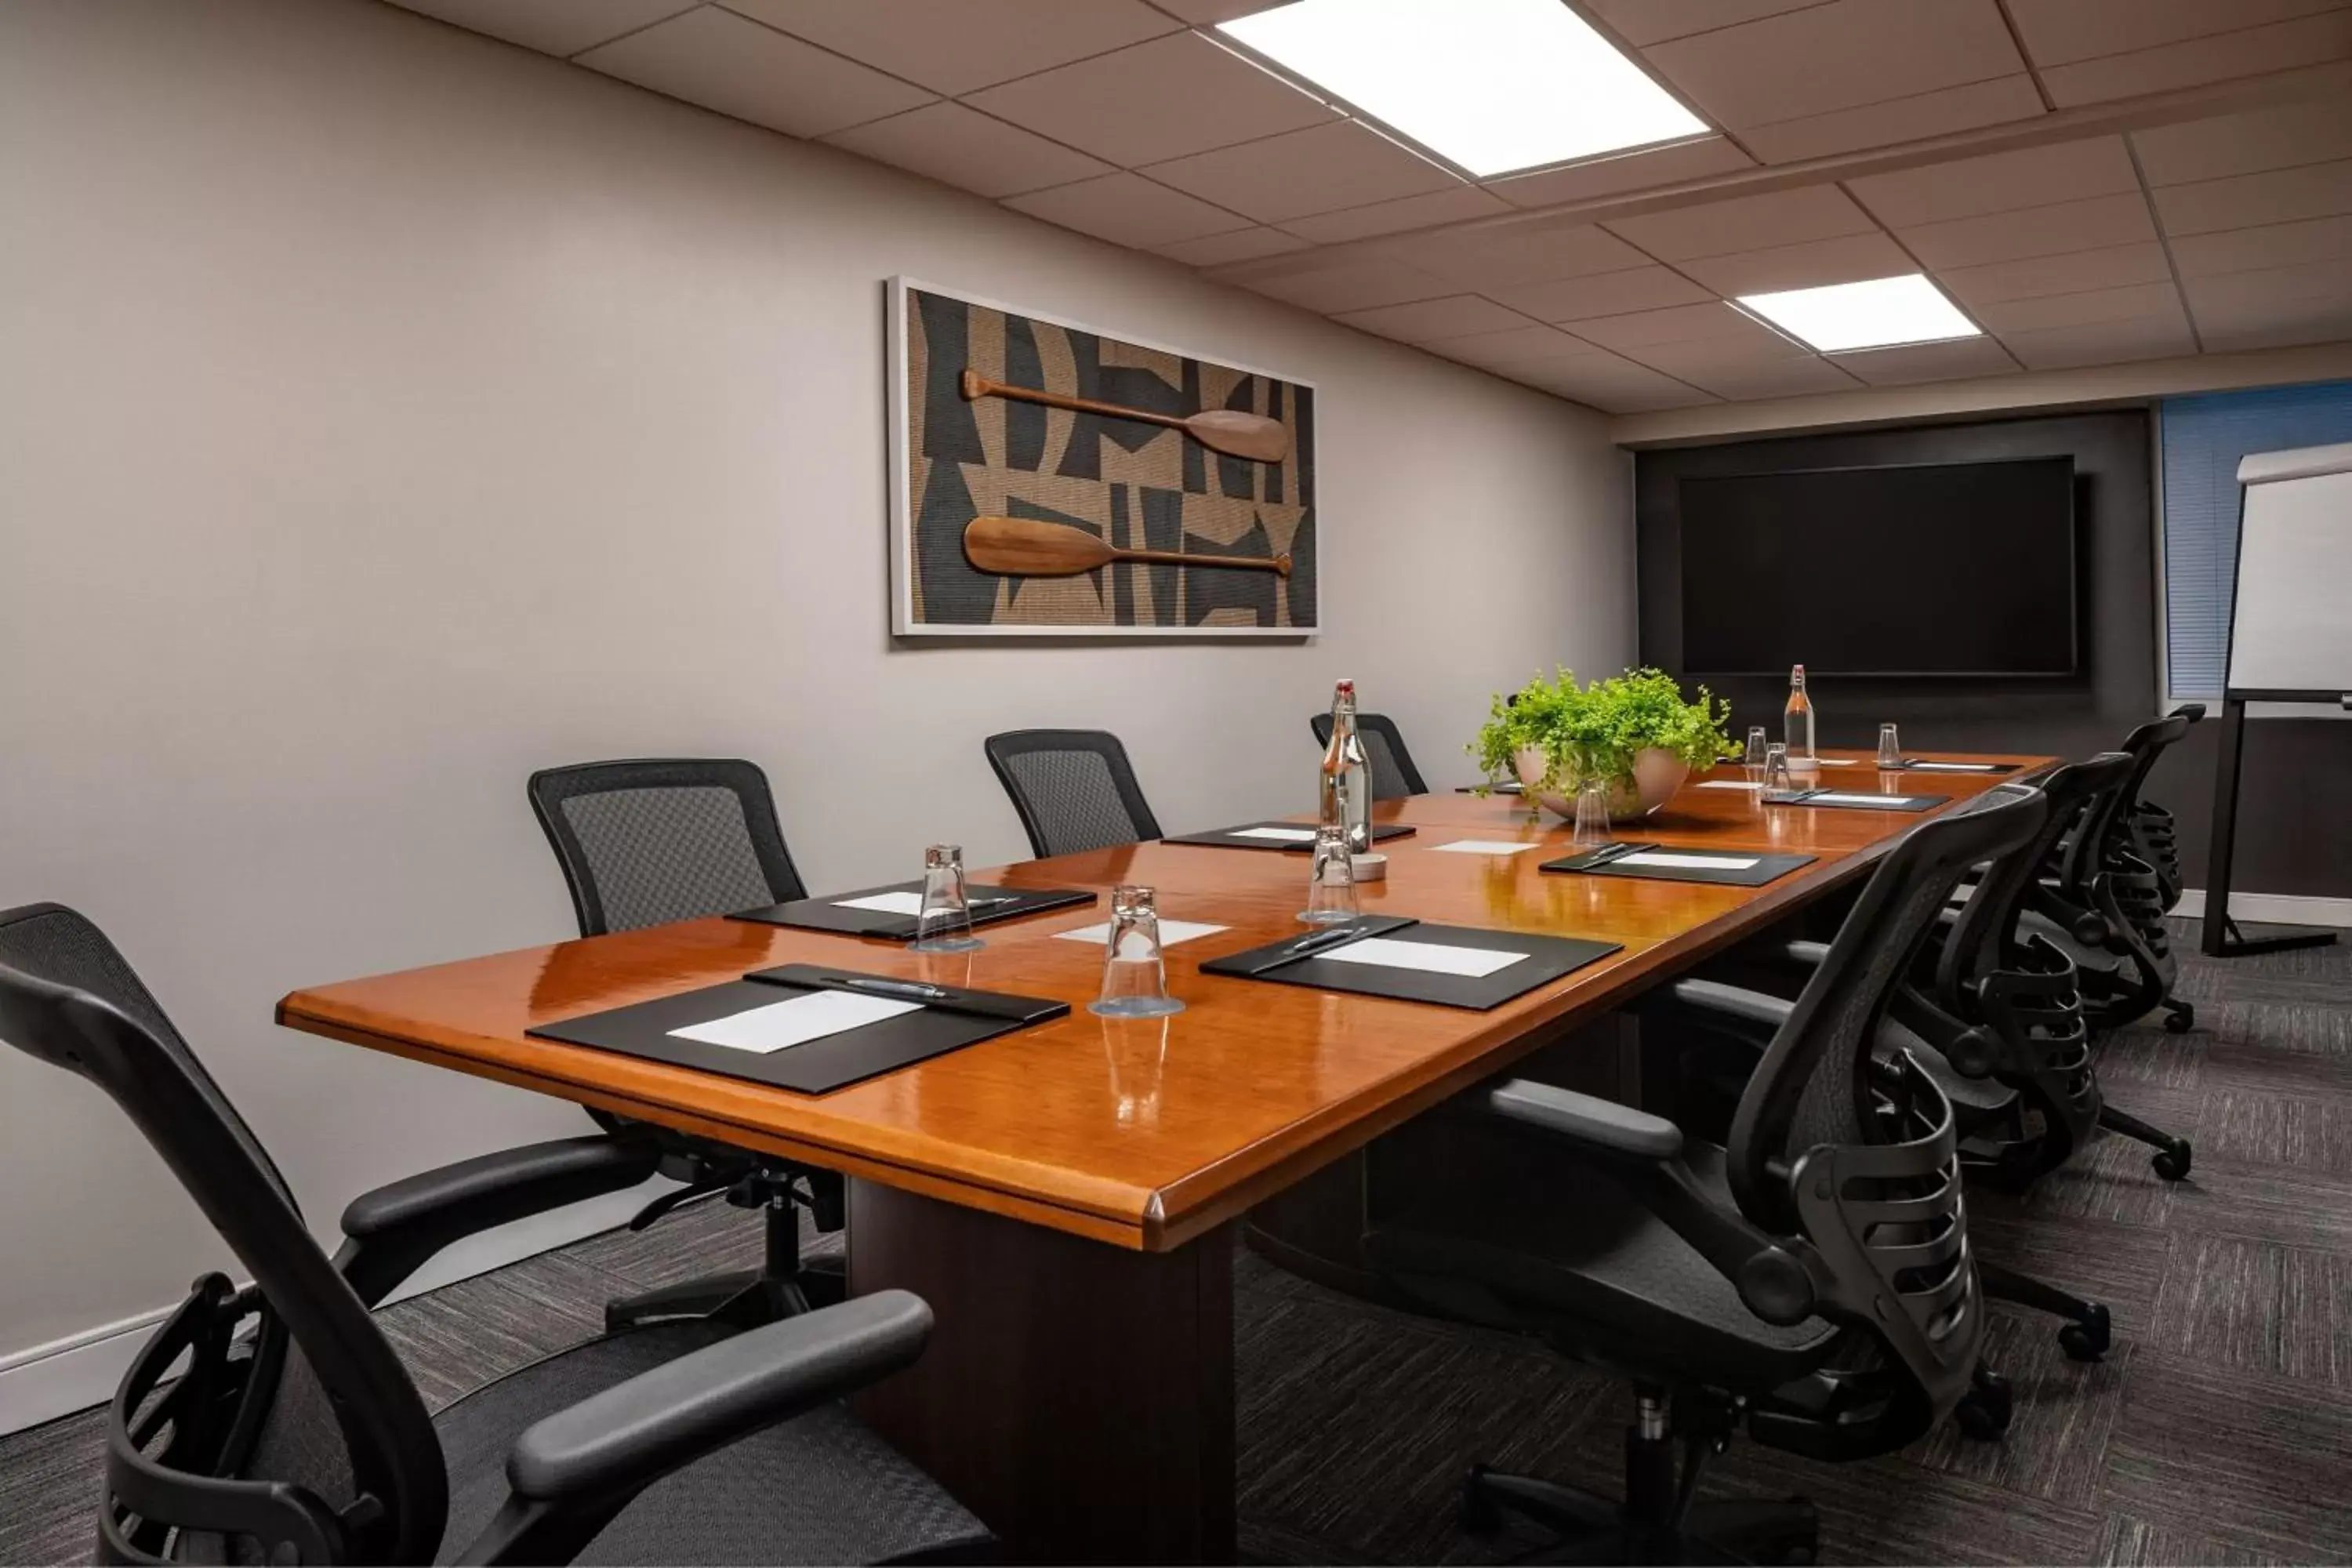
1878	314
1490	84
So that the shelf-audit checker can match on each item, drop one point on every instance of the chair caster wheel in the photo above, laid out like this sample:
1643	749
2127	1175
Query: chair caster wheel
1479	1514
1983	1412
2089	1340
2172	1164
2180	1020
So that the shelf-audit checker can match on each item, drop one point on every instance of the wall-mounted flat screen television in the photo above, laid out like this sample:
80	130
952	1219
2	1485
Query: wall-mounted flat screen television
1931	569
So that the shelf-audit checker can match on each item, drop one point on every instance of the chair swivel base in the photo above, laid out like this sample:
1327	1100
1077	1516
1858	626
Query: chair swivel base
744	1297
2172	1156
2089	1329
1592	1529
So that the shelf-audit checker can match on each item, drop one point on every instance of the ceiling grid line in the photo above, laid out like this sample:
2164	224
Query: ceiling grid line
2164	242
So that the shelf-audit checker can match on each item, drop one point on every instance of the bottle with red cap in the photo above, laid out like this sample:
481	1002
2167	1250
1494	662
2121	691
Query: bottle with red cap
1347	788
1797	721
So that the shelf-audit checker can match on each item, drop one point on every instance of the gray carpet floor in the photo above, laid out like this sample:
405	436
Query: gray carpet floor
2218	1430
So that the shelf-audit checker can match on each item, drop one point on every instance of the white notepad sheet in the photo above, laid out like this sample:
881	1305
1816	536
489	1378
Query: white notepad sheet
1831	797
1288	835
1689	862
1950	767
1481	847
901	903
795	1021
1429	957
1727	783
1171	932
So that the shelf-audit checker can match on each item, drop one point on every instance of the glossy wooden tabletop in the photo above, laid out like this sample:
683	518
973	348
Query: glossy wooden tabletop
1142	1133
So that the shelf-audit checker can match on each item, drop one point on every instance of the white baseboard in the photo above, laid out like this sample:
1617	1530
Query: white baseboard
45	1382
2272	909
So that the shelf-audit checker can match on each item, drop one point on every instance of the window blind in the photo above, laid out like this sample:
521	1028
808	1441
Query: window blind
2202	439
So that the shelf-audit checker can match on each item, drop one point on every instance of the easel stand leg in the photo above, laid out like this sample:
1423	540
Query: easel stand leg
2221	937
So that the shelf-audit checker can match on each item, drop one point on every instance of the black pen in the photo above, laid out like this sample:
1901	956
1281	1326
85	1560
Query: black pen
1608	852
1319	940
912	990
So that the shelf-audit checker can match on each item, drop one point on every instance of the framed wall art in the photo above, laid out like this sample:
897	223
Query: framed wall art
1048	479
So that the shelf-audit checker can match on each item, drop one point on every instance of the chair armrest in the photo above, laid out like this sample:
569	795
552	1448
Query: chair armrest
1603	1123
1809	953
393	1230
1752	1015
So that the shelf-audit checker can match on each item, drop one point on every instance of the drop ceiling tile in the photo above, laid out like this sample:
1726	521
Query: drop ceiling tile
1454	205
1455	316
721	61
1848	258
2031	177
1838	55
2281	324
1636	334
1596	177
1299	172
1733	371
1223	249
551	26
2049	310
2275	245
1916	362
1128	209
2272	288
964	147
1995	101
2073	272
1632	289
1152	101
2160	336
2057	31
2315	131
1747	223
2088	225
1606	381
2308	40
1511	347
1536	251
2250	201
956	45
1354	285
1644	22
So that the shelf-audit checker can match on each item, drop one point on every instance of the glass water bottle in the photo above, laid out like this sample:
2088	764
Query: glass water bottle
1797	721
1345	801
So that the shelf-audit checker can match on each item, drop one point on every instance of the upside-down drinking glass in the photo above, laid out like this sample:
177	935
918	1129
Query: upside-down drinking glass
1330	880
1134	976
944	922
1759	743
1890	749
1592	817
1776	777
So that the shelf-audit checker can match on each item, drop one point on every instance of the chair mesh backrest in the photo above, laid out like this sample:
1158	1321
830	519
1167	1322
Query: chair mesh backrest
1071	789
645	843
1985	938
68	997
1393	774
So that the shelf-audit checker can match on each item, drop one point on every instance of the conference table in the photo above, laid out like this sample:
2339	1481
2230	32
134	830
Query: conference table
1067	1196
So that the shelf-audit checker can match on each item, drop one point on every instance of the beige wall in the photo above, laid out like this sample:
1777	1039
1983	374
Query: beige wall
385	412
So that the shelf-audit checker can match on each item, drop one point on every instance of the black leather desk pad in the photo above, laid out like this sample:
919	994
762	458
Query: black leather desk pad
825	914
1768	868
812	1067
1225	837
1855	798
1548	958
1930	765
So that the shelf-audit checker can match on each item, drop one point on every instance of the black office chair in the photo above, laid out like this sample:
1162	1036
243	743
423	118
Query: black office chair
1813	1277
275	1424
645	843
2154	836
1071	789
1393	774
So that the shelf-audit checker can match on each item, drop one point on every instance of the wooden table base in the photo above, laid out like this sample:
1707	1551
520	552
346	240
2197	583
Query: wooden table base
1078	1396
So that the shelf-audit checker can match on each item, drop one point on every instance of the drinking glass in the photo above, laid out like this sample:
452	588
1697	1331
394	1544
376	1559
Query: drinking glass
1134	978
1136	1050
1776	777
1890	750
1330	880
1758	744
944	922
1592	817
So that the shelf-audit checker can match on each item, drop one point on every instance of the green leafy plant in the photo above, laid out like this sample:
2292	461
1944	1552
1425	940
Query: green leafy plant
1590	734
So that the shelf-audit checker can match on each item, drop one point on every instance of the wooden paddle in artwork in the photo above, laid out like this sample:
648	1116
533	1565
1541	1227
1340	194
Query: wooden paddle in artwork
1238	435
1021	547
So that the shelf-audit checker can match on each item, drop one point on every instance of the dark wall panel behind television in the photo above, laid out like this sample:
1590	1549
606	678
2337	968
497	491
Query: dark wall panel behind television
1908	568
